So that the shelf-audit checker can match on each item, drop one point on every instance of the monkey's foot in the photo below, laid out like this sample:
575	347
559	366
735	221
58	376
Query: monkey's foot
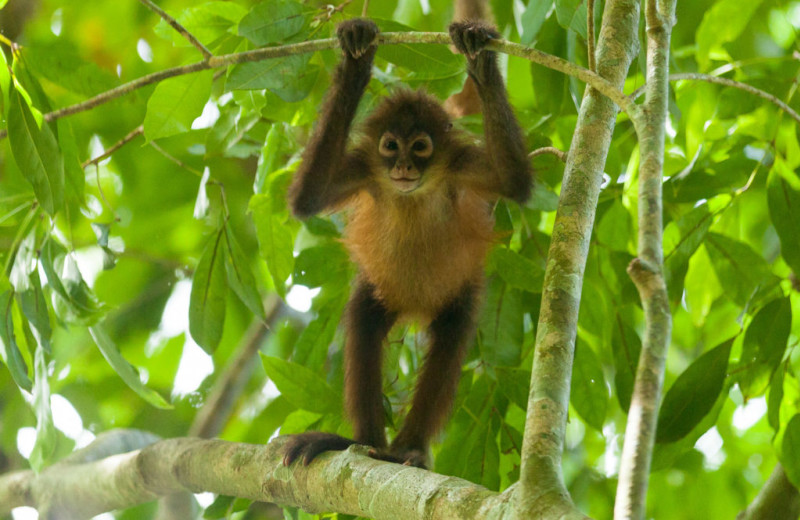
471	37
310	444
406	457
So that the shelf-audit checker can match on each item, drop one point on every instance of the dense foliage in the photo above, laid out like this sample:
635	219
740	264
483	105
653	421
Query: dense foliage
115	272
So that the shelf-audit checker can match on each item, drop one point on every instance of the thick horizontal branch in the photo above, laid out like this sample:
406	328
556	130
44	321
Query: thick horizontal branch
391	38
363	486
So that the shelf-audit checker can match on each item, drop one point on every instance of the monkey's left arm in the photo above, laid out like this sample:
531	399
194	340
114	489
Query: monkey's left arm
329	172
505	157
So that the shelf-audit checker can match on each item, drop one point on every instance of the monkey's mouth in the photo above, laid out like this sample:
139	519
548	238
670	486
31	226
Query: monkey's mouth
406	184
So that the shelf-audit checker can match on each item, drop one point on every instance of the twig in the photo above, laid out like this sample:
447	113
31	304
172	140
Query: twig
178	27
590	34
392	38
562	156
695	76
175	159
364	8
122	142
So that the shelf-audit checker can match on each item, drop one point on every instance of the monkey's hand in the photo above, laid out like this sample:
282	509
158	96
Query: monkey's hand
470	38
356	38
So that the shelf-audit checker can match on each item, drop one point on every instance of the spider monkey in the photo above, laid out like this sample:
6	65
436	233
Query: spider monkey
419	193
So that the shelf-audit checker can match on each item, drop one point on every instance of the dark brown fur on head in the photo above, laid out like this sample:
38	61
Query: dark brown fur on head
407	111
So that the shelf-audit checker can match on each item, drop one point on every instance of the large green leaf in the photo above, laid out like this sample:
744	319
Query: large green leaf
615	229
272	22
290	77
302	387
516	270
588	392
721	24
500	325
789	453
207	300
571	14
425	61
739	269
34	307
209	22
532	20
783	197
36	152
682	237
60	63
175	103
626	347
692	396
12	357
765	341
125	370
318	265
240	276
515	384
274	240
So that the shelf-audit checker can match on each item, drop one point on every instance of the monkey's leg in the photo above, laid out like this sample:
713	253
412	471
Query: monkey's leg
451	332
368	322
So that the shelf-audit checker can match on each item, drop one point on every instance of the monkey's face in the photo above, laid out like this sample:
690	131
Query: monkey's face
406	158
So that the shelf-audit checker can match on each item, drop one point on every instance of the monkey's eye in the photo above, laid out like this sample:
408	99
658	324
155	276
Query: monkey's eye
388	146
423	146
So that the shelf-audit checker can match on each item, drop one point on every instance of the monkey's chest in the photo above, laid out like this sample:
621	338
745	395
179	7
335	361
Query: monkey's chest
418	261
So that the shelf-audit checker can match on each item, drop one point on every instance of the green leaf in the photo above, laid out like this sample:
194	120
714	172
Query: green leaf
272	22
240	276
425	61
175	103
790	450
209	22
571	14
12	357
739	269
721	24
532	20
588	392
268	160
776	397
515	384
783	198
682	237
274	240
311	348
34	307
60	63
616	227
302	387
693	394
626	346
45	445
500	326
36	152
318	265
125	370
516	270
765	341
207	299
290	78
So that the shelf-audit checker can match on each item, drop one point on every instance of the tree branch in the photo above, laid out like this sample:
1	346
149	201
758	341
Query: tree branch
647	270
777	500
562	156
116	146
548	400
364	486
391	38
178	27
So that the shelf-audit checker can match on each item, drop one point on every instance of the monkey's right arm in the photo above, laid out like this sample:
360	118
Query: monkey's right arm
329	173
